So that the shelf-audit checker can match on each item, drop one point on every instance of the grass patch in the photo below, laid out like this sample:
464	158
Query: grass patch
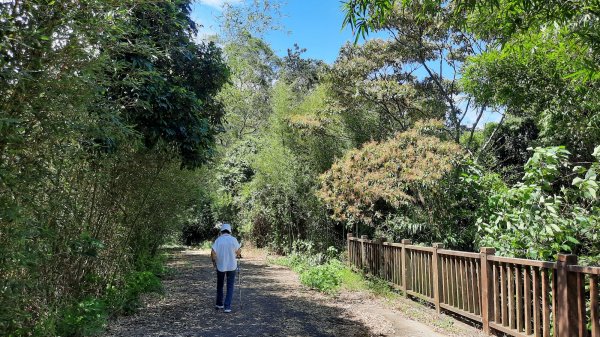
326	277
445	323
353	281
379	287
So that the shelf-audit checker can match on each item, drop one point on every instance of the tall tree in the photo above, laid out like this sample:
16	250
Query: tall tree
301	73
378	94
499	19
247	97
415	74
166	82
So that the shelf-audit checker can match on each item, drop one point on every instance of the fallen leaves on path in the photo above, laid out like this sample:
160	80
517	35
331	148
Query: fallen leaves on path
274	303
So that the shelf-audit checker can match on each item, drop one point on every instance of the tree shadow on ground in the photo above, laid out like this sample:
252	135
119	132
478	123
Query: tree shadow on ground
270	307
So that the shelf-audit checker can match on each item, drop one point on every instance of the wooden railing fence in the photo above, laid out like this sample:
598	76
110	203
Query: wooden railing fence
518	297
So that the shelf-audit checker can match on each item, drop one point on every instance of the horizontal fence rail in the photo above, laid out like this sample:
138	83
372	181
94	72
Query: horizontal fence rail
517	297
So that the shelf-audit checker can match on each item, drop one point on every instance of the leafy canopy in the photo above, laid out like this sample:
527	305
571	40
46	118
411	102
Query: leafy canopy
535	220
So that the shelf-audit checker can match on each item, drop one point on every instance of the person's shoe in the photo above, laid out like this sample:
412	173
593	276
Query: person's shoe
218	307
227	311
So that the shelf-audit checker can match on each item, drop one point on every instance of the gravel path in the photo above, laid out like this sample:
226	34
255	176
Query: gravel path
274	304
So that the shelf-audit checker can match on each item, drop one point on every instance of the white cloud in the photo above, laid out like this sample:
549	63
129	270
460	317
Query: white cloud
219	3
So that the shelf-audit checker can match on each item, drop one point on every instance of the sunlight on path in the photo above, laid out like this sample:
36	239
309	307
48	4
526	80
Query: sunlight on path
274	304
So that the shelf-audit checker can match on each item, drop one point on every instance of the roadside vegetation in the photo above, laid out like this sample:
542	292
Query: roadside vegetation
459	128
471	123
327	272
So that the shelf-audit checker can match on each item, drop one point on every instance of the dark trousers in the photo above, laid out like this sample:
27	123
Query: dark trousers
230	275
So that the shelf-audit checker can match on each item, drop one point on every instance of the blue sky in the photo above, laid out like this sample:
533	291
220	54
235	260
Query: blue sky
314	24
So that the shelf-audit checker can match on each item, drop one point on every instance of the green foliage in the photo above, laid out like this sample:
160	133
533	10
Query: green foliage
267	183
509	21
199	226
540	69
538	219
89	316
325	278
167	83
530	81
317	270
206	245
101	103
351	280
365	15
413	74
325	271
85	318
236	168
138	283
535	60
299	73
498	21
255	17
246	99
506	152
376	94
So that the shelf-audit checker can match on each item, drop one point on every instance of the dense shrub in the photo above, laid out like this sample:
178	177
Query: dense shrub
85	318
326	277
267	184
540	217
318	270
370	183
415	185
200	226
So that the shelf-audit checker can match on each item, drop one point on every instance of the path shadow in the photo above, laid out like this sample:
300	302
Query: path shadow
271	307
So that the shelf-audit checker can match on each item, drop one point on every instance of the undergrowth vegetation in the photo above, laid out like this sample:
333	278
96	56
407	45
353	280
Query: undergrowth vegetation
326	272
317	270
90	316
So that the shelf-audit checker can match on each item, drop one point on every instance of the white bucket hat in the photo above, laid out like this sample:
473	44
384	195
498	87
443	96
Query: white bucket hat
226	227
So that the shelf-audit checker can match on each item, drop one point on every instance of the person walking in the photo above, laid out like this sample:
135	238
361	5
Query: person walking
223	254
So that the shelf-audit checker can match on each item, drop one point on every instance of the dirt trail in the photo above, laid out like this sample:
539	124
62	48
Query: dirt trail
274	304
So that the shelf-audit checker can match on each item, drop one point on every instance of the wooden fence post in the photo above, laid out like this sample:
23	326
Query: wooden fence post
437	275
487	290
381	258
405	266
594	314
566	297
363	252
349	250
376	249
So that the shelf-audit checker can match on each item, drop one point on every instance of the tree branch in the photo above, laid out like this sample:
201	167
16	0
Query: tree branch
475	125
490	139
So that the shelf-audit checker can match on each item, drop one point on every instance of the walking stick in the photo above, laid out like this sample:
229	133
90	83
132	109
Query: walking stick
240	282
